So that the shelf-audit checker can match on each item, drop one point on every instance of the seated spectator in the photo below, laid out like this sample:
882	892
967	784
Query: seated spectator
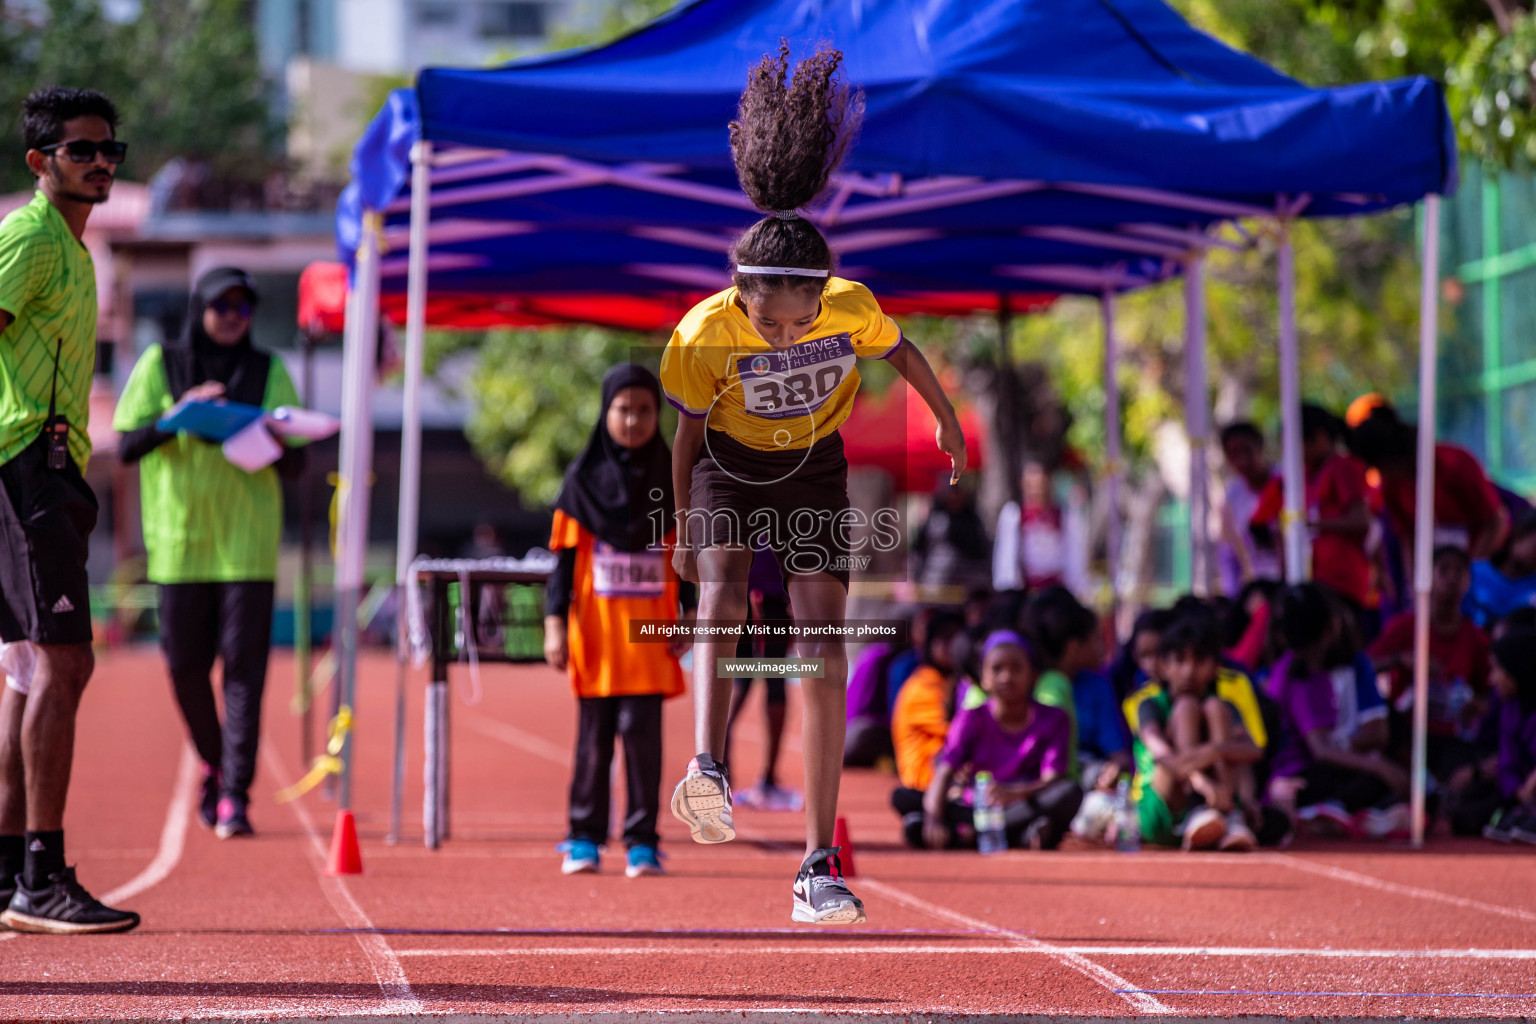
926	704
1468	512
1242	556
1053	621
1197	734
1253	648
1137	661
1329	772
1103	742
1024	745
1512	802
1458	670
1506	581
868	735
1338	516
906	661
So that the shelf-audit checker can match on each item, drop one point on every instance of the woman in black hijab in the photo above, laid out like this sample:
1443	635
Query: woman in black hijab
211	531
613	531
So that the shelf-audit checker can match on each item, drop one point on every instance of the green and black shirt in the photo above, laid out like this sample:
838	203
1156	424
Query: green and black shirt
205	520
48	286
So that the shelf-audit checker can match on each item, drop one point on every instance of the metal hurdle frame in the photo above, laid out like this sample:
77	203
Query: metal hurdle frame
434	640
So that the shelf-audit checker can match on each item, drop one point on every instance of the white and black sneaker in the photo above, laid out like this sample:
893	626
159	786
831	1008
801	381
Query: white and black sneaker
702	801
63	907
821	895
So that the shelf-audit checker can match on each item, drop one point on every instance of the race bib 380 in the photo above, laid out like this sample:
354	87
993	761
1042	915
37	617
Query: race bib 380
795	381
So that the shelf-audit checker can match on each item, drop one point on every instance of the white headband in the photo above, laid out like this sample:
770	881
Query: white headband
791	271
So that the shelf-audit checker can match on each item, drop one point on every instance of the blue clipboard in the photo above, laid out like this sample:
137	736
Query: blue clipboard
215	420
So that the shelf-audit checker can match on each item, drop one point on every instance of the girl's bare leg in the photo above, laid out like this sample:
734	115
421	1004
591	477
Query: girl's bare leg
722	601
821	598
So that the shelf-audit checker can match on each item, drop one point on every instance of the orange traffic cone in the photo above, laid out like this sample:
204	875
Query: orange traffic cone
841	837
346	858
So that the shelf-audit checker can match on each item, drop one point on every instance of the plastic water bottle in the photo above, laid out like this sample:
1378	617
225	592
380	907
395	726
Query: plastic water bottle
987	816
1127	821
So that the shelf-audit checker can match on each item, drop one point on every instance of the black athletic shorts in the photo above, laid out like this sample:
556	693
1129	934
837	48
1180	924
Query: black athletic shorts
791	499
46	519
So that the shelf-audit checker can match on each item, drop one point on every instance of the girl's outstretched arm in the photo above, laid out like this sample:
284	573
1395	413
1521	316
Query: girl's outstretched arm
912	365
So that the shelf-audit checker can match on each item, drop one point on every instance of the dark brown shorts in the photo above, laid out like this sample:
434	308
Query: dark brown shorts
789	500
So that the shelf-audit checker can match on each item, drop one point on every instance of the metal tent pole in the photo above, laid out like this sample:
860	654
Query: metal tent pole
1424	514
1113	530
1293	520
304	586
410	452
356	460
1197	421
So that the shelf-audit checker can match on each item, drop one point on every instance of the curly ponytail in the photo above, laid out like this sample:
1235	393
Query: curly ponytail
789	136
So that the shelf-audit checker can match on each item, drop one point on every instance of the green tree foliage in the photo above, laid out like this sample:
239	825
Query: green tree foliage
619	19
1357	321
1483	50
183	73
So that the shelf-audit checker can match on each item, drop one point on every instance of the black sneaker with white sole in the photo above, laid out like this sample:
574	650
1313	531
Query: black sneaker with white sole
7	893
63	907
702	801
208	803
821	895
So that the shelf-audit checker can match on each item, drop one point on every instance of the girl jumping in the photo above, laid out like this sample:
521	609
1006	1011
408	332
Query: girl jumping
764	375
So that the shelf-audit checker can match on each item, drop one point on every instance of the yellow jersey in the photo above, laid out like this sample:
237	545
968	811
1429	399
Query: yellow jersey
717	368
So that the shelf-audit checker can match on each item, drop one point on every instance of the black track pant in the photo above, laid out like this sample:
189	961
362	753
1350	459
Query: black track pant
1054	807
232	622
637	722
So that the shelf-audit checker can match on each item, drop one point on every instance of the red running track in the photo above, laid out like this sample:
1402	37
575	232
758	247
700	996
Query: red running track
487	925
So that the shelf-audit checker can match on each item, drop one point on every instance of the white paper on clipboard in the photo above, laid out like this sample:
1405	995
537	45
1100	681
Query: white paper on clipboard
287	421
253	448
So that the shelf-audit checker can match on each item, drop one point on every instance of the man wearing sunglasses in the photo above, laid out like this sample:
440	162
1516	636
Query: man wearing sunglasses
47	510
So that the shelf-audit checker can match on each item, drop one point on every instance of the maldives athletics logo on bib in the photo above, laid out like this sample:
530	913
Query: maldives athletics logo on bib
761	365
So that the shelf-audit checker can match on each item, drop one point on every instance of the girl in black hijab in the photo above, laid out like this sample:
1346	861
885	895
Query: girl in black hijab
613	532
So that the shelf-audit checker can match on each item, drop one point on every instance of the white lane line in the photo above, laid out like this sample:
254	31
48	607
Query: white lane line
1103	976
1256	952
1397	889
387	969
173	835
513	736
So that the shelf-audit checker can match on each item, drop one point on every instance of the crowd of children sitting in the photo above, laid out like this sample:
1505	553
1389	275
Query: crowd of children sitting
1240	721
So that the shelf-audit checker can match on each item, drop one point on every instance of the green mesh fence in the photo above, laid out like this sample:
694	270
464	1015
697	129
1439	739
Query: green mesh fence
1488	350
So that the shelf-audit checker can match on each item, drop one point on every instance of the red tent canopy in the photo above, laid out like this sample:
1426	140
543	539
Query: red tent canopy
323	299
894	432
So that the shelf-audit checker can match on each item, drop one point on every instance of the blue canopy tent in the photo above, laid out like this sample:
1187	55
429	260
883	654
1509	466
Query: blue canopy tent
1008	145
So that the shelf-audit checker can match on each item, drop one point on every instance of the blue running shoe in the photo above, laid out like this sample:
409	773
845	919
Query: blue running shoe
581	857
643	860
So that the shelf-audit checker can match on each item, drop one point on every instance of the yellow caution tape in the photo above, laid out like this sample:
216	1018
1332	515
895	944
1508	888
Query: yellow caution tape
337	497
328	763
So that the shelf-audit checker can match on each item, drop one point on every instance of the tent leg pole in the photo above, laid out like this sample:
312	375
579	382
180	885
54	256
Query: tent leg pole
1197	420
1424	515
304	588
1113	527
1293	520
356	468
410	451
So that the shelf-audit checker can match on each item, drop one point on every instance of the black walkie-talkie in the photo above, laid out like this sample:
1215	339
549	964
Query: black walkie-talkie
56	428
